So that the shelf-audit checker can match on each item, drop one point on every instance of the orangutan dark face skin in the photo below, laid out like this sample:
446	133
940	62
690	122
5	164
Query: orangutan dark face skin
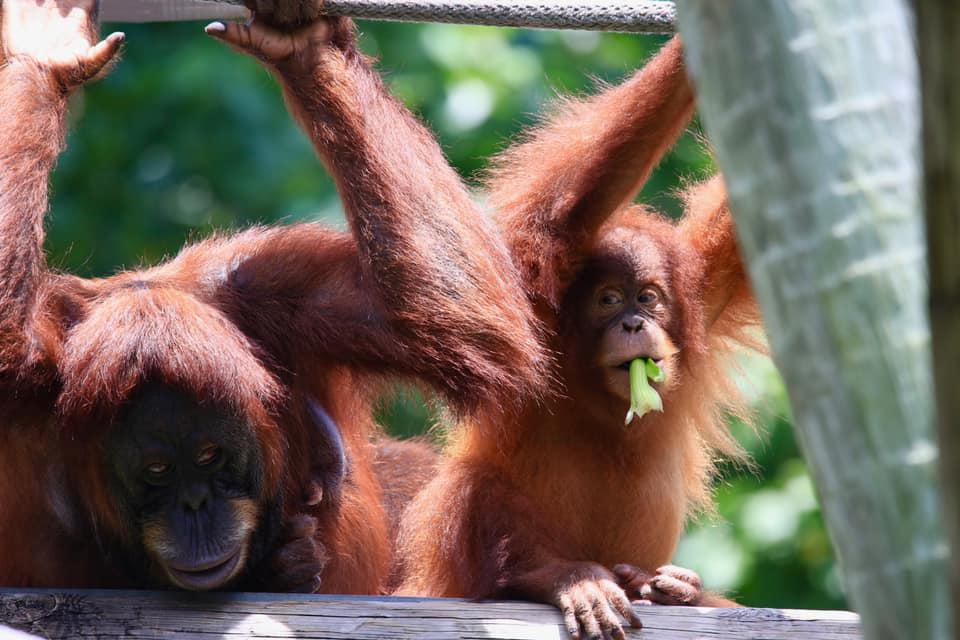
187	480
625	295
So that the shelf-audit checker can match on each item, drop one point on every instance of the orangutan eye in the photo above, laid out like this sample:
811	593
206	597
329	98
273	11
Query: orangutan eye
648	296
208	455
610	298
157	470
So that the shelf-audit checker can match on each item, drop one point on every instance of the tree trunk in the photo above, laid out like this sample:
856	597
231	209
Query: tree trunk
812	108
938	25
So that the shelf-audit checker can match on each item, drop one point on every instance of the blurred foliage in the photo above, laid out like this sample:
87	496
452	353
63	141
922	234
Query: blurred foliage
185	137
767	546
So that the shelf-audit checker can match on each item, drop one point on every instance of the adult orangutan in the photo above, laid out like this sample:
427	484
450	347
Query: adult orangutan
559	501
206	423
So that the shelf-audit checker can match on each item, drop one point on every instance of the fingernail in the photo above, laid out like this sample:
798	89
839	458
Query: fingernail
216	27
119	36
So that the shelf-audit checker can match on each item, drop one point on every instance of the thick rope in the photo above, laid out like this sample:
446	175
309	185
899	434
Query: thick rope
638	17
595	15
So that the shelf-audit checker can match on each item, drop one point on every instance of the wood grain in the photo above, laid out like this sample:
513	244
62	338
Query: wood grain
142	614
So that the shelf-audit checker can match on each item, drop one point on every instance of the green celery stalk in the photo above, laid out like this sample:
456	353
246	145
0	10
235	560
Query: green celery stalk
643	397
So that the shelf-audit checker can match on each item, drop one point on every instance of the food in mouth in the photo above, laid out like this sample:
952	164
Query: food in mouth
643	397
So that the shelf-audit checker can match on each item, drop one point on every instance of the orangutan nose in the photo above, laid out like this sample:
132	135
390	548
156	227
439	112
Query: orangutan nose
195	497
633	324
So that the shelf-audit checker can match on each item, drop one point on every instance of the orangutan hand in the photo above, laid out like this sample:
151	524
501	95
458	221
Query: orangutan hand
60	36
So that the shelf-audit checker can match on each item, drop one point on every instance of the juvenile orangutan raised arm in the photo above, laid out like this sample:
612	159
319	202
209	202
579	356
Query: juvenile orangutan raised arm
41	63
433	280
554	191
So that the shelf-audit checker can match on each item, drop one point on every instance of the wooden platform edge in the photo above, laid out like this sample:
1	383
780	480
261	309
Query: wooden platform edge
149	614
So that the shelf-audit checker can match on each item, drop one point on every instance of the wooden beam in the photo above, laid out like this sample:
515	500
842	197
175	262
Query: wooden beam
938	48
812	108
144	614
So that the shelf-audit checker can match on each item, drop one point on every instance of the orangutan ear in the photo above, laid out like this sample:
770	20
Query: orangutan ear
330	460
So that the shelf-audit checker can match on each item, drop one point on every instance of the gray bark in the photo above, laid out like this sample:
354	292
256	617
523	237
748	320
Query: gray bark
938	25
812	108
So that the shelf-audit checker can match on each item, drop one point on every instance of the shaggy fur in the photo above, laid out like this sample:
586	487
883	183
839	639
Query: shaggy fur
256	323
533	501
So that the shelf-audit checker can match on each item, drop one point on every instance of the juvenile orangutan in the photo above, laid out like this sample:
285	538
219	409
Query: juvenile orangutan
559	501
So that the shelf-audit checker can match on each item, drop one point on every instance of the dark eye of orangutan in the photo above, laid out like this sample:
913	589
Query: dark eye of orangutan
187	480
208	455
648	296
610	298
157	473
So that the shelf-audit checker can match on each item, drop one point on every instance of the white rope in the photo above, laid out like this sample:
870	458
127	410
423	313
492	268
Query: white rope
596	15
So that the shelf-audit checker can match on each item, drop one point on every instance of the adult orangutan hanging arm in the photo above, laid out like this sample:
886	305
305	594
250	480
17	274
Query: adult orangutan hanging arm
429	262
42	64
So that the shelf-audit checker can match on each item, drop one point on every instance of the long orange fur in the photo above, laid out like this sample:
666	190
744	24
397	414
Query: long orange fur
525	497
254	322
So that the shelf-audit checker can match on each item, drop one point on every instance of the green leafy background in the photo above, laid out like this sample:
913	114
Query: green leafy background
185	137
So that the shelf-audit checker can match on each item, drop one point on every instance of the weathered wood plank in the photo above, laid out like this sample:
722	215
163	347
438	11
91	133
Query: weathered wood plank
142	614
